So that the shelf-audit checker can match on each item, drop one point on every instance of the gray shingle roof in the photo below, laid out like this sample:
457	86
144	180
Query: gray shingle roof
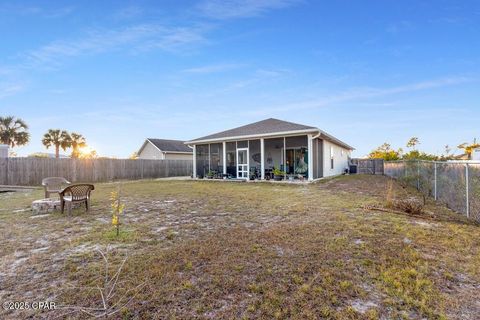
170	145
266	126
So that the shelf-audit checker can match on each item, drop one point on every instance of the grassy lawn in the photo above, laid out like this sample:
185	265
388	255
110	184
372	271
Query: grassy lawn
198	249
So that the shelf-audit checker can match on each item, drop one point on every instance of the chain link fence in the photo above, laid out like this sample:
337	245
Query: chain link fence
454	183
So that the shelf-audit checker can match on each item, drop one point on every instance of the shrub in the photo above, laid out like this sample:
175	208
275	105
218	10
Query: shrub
409	205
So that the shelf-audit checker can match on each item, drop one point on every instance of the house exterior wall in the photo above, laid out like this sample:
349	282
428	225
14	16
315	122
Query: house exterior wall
476	154
179	156
340	160
151	152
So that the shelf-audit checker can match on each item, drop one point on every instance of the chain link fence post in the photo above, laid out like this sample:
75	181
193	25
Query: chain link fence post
455	184
467	190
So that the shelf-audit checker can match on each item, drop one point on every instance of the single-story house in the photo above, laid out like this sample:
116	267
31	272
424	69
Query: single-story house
162	149
476	154
298	150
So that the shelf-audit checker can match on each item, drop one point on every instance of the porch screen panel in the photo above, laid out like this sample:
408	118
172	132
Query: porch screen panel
273	153
216	156
242	144
254	154
297	155
231	153
202	160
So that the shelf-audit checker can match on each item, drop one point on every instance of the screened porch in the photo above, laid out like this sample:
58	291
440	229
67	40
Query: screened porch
258	158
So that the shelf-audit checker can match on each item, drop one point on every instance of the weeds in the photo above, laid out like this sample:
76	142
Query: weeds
248	251
410	205
117	208
108	300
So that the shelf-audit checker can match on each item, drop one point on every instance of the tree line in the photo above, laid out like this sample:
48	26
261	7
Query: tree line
386	152
14	133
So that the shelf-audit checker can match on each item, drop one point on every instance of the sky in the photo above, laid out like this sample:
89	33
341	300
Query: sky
118	72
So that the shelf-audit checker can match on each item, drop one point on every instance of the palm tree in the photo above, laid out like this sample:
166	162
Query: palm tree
413	142
469	147
58	139
13	131
77	141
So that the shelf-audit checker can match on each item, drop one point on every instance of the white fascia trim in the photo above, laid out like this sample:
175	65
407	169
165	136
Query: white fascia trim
142	147
336	141
181	152
261	135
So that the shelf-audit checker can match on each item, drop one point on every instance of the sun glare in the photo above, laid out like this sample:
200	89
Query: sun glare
86	152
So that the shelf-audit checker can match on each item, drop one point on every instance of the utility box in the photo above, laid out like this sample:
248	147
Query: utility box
3	151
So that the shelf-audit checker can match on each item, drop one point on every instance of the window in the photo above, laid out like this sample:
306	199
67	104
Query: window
331	157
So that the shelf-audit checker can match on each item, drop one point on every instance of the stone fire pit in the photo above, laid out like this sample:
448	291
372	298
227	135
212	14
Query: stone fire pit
45	205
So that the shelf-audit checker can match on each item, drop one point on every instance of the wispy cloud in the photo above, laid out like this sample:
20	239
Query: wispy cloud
9	89
423	85
358	94
128	13
5	70
138	37
258	77
58	13
214	68
400	26
29	10
254	79
231	9
19	9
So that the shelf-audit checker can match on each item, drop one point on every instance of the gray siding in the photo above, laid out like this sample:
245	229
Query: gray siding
151	152
179	156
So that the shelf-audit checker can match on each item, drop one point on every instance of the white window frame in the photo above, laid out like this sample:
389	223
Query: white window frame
332	158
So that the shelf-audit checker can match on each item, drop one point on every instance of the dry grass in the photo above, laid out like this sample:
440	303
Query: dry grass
244	250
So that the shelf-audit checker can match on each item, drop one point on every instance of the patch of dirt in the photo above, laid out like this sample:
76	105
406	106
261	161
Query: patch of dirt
244	250
362	306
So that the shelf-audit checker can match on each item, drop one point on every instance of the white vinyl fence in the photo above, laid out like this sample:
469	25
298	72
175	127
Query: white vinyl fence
454	183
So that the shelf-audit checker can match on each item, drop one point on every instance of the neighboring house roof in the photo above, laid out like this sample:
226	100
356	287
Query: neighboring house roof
462	156
46	155
168	146
267	127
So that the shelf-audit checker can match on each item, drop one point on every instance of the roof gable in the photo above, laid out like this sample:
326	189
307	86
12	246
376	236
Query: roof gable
169	145
267	126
